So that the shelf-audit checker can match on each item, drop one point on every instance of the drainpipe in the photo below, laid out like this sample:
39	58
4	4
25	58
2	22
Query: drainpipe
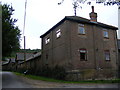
94	45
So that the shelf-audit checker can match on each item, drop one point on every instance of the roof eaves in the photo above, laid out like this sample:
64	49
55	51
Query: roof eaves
80	20
107	26
84	20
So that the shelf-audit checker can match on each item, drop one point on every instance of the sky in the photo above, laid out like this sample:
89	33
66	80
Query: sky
41	15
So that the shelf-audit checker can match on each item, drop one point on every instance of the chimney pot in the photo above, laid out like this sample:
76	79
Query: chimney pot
92	8
93	15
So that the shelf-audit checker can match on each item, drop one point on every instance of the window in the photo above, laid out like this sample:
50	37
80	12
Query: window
47	40
83	54
58	33
107	55
105	34
81	29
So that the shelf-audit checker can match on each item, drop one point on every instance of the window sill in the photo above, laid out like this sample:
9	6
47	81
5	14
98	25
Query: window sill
58	37
46	43
81	34
106	37
83	60
107	60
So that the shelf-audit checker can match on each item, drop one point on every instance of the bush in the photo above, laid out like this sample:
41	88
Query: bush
56	72
21	70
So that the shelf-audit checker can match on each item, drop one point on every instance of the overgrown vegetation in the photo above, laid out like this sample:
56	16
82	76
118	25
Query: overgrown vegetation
56	72
63	81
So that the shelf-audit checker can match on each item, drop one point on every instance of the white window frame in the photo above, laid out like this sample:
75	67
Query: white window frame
105	33
84	51
58	33
47	40
81	29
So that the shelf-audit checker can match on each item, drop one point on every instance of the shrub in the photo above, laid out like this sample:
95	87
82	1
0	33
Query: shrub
56	72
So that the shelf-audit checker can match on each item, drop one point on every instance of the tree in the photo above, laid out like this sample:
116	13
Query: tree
76	3
10	32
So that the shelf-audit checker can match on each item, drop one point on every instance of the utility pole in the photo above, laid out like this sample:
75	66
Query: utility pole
24	34
24	50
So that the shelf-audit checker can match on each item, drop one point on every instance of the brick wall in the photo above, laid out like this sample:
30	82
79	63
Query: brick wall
64	51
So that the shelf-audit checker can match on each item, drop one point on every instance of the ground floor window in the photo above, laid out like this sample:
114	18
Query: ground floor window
107	55
83	54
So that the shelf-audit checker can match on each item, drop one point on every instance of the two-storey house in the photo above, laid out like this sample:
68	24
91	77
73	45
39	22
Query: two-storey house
85	48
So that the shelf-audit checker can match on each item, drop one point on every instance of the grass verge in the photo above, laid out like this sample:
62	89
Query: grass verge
63	81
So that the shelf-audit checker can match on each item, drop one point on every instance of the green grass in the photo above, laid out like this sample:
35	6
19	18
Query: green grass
63	81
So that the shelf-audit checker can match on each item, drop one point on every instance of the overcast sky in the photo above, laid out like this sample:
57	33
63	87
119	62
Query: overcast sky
41	15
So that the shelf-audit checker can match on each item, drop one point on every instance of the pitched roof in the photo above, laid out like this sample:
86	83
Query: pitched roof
32	57
20	56
80	20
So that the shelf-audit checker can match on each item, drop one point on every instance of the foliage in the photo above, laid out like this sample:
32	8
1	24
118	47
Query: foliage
89	2
76	3
10	32
56	72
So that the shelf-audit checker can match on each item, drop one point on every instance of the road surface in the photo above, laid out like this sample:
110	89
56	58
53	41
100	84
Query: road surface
10	80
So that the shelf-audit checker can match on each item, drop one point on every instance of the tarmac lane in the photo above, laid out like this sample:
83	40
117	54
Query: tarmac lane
10	80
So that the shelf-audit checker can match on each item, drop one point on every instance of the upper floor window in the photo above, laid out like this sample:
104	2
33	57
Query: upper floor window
83	54
105	33
47	40
107	55
81	29
58	33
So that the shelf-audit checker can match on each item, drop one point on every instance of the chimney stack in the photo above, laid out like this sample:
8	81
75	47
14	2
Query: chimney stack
93	15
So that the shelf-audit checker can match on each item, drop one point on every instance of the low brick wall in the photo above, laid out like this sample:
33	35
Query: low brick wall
91	74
